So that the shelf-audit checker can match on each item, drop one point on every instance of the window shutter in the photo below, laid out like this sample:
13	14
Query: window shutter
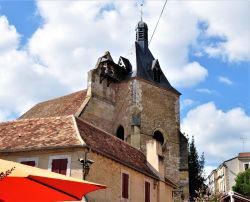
147	192
59	166
63	166
56	166
29	163
125	185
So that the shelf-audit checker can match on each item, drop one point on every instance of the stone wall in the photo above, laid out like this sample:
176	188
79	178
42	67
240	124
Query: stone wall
142	108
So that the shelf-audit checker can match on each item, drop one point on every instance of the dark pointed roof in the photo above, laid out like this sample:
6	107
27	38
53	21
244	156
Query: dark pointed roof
142	60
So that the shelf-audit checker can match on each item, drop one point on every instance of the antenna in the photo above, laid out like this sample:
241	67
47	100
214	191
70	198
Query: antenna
244	139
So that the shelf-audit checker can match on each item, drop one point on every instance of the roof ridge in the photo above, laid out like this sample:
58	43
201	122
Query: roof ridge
33	119
57	98
77	131
113	136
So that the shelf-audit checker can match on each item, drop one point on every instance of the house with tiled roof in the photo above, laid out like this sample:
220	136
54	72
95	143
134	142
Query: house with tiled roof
122	131
222	179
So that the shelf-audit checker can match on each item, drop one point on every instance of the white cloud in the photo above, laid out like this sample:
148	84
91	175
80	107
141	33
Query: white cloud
230	21
75	33
72	38
208	170
187	103
9	38
205	90
217	133
225	80
22	81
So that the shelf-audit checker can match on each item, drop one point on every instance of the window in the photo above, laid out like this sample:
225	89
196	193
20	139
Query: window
30	161
120	133
60	164
246	166
158	136
125	185
147	191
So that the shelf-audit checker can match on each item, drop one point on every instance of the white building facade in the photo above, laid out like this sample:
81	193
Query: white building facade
223	178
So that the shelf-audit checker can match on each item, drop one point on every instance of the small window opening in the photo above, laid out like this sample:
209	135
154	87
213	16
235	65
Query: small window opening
125	185
157	75
147	192
120	133
158	136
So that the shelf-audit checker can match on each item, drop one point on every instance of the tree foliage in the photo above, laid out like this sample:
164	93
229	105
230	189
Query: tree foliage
196	170
242	185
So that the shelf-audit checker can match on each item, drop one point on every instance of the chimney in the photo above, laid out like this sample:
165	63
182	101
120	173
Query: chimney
155	157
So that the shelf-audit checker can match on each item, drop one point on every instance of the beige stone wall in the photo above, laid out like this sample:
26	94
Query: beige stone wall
160	111
100	108
155	107
103	171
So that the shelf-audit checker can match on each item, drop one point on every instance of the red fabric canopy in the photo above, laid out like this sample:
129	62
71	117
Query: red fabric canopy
46	186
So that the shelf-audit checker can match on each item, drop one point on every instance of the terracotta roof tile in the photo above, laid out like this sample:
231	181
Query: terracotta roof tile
28	134
113	147
60	132
61	106
244	154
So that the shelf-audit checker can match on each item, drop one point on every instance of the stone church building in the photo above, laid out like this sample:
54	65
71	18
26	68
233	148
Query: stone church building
127	121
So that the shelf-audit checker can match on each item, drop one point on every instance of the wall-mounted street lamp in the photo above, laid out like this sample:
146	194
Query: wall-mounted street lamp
86	163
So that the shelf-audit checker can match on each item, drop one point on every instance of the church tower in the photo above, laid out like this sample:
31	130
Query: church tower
133	100
142	34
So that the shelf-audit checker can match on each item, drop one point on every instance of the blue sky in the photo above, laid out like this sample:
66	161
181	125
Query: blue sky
203	49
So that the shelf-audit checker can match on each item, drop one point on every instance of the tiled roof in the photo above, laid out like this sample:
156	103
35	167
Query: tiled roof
244	154
29	134
61	106
62	132
113	147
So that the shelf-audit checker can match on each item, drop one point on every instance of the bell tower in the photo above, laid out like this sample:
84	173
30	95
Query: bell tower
142	34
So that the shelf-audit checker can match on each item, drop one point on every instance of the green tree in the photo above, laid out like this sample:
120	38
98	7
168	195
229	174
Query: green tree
242	185
196	170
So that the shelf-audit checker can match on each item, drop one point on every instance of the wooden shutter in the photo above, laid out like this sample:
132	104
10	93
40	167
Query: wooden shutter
59	166
29	163
56	166
63	166
147	192
125	185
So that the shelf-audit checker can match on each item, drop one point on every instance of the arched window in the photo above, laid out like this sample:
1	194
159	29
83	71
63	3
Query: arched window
158	136
120	132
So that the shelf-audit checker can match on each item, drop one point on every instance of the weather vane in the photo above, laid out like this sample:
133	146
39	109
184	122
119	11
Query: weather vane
141	10
141	5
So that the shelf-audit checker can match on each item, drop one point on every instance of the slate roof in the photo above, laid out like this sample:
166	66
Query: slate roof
61	106
142	61
30	134
68	131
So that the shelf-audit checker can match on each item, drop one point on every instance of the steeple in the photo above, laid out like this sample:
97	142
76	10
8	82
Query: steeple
142	34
